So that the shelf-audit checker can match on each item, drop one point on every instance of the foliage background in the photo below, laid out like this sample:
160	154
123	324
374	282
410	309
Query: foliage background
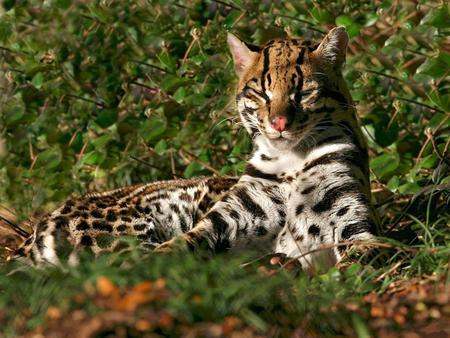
102	94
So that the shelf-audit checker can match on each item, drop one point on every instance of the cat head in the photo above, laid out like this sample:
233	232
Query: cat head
288	87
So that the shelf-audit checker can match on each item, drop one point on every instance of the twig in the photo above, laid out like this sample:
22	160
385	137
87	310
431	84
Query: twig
153	89
102	105
15	227
393	268
382	74
206	165
311	25
239	18
6	49
172	165
430	136
419	156
145	163
421	104
150	65
354	244
227	4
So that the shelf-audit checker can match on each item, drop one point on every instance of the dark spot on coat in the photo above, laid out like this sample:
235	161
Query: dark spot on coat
261	231
96	213
83	225
111	216
185	197
299	209
66	209
308	190
314	230
102	226
86	240
125	219
139	226
61	221
342	211
122	227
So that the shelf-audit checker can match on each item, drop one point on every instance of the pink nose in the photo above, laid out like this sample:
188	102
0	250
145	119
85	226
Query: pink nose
279	123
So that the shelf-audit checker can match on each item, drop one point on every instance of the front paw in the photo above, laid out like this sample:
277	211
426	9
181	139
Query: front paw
177	244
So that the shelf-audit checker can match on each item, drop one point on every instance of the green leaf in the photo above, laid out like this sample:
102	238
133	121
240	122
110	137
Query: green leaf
5	29
351	26
179	95
409	188
91	158
14	113
393	183
49	158
360	327
439	18
106	117
321	15
37	80
101	141
161	147
435	67
193	169
153	128
231	17
385	164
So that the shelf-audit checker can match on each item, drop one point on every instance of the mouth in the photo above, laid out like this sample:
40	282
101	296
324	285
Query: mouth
279	136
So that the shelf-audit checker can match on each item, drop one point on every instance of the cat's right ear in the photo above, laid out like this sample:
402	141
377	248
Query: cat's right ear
242	55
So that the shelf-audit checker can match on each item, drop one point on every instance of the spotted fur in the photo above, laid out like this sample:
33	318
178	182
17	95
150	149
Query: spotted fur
305	191
153	213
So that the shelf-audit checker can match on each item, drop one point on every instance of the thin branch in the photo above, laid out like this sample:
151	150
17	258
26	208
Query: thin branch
419	156
100	104
153	89
421	104
203	163
310	24
227	5
6	49
382	74
354	244
145	163
150	65
15	227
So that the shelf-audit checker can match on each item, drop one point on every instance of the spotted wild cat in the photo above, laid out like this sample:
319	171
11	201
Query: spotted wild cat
305	188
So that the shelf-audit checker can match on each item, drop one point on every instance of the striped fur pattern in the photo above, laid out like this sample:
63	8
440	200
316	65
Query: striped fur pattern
306	186
305	189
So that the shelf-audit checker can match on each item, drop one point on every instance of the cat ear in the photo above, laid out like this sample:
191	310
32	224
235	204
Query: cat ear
334	46
242	55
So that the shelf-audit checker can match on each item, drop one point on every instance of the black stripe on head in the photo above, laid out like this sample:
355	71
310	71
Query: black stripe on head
266	62
335	95
250	205
298	68
332	195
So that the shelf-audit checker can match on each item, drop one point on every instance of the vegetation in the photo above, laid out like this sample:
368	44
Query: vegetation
98	95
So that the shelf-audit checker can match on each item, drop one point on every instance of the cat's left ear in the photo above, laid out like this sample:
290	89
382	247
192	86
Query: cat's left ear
243	56
333	47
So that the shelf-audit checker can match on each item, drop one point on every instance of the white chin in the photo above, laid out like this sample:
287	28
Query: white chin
281	143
